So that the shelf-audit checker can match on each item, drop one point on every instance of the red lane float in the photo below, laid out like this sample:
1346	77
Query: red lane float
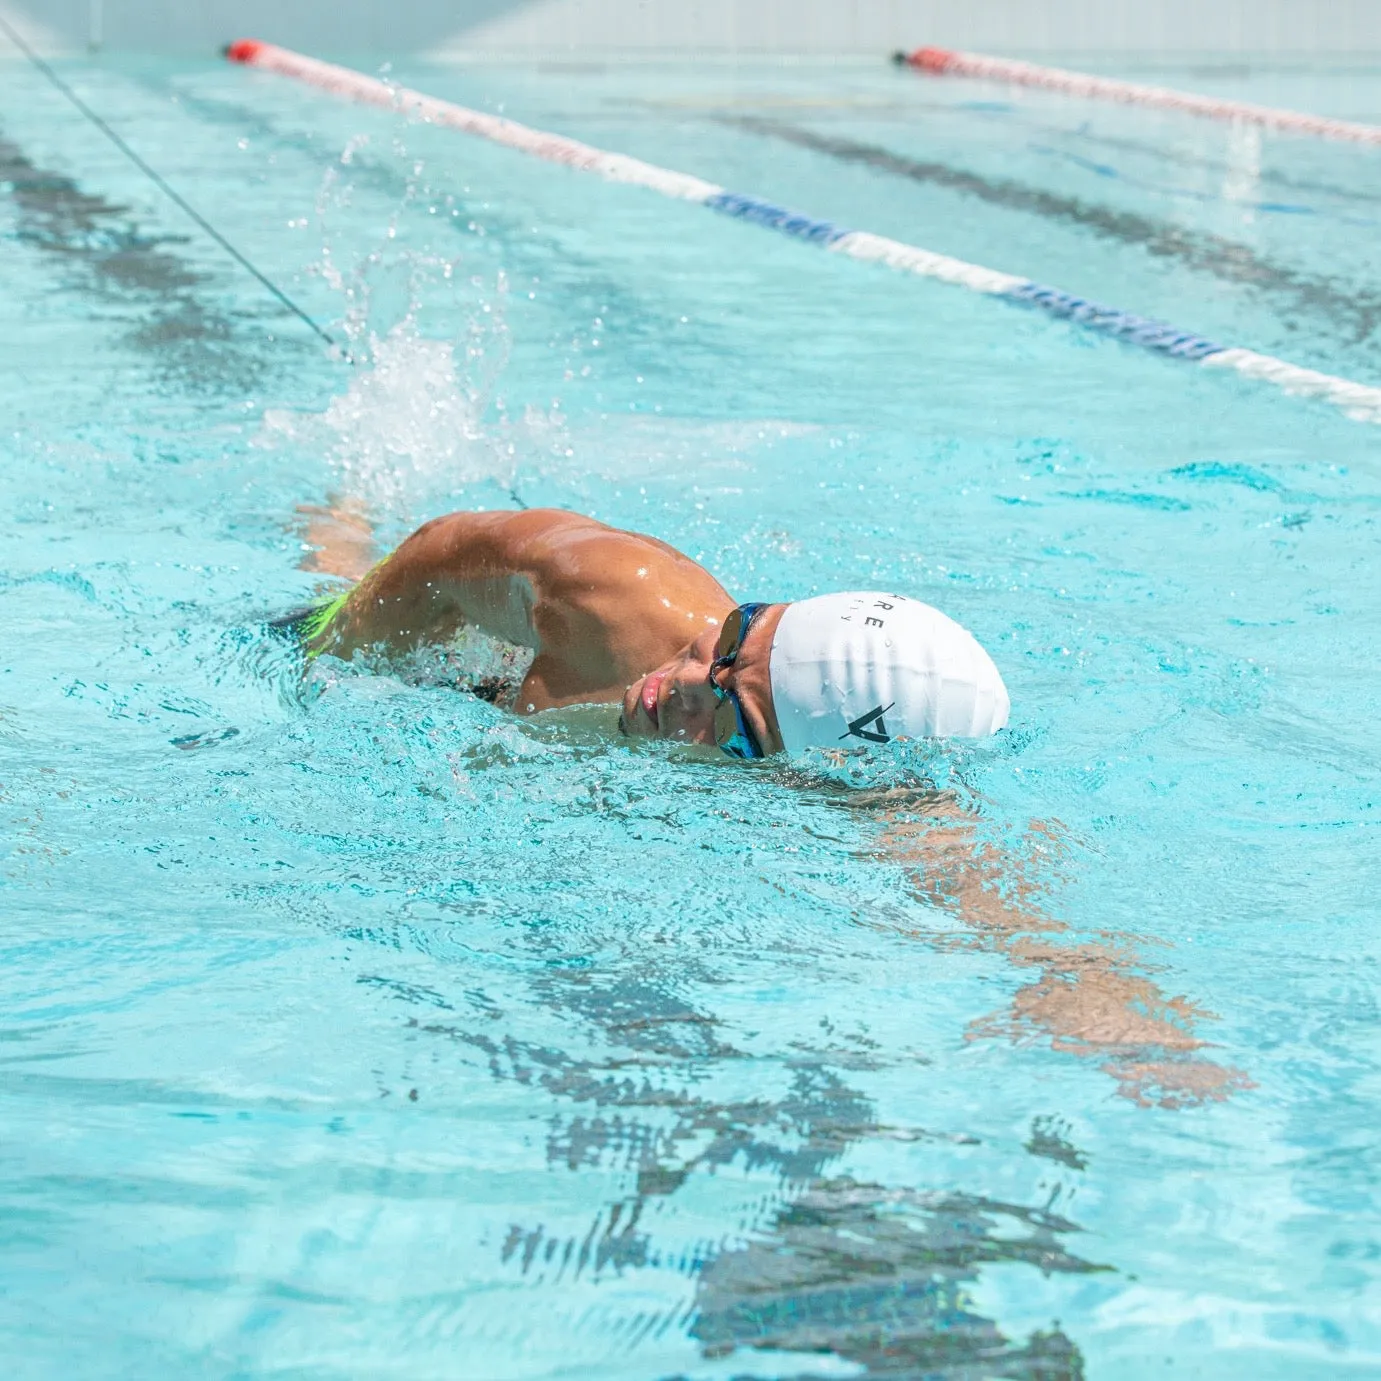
947	62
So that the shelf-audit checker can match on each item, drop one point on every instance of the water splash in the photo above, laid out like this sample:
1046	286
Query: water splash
421	417
408	423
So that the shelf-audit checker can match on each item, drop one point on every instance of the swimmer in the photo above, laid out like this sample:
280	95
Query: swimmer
619	617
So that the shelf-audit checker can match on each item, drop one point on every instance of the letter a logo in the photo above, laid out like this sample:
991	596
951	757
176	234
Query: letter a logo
858	727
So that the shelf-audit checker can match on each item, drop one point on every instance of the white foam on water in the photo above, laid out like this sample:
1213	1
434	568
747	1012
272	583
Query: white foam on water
408	423
419	416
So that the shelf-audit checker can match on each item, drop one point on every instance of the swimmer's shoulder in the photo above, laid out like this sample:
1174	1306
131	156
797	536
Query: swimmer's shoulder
493	543
563	555
516	532
570	545
523	531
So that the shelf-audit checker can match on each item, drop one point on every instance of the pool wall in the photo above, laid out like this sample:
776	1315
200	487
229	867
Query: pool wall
1276	28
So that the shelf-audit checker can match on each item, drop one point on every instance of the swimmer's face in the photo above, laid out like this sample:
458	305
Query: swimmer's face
676	702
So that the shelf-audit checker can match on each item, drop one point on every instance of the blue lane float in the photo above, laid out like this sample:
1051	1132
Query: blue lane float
763	213
1359	401
1110	321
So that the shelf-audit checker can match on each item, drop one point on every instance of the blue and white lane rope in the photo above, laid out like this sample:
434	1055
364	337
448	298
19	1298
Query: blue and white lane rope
1359	401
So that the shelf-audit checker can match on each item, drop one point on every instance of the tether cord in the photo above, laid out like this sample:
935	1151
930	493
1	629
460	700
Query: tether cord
173	195
157	179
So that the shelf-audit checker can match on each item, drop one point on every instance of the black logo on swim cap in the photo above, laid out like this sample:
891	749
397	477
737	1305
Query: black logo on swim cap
857	727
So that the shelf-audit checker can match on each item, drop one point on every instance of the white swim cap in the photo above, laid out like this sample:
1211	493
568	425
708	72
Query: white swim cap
864	667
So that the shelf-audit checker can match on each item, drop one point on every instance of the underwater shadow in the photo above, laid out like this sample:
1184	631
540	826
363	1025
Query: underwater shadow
863	1273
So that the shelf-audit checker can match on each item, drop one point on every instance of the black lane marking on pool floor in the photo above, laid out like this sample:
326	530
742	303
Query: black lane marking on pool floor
1358	312
106	253
1219	167
1173	155
1179	157
1083	134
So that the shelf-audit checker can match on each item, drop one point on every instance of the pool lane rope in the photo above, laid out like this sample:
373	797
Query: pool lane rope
950	63
1359	401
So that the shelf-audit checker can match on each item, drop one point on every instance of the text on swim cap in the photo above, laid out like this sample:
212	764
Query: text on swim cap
869	621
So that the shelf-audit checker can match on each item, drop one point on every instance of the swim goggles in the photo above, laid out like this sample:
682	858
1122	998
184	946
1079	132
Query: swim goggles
731	731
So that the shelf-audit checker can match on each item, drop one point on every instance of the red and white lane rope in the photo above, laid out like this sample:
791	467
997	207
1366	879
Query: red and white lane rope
555	148
949	63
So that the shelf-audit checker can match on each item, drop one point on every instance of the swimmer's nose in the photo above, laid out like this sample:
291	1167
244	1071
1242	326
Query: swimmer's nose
693	708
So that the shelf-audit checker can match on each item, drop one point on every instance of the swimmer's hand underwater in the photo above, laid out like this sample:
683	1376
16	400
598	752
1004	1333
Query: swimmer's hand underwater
619	617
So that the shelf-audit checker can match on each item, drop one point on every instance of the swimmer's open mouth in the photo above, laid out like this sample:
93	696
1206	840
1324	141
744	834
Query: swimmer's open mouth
647	698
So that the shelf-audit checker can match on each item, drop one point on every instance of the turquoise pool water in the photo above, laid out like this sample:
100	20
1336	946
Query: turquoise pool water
351	1029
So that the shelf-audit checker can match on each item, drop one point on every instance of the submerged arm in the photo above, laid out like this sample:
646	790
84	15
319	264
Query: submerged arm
337	538
1093	998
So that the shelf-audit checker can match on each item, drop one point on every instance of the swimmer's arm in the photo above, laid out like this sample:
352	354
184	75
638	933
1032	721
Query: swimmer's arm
337	537
1089	997
463	569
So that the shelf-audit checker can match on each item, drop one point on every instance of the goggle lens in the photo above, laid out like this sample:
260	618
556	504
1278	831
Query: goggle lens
729	635
731	732
725	723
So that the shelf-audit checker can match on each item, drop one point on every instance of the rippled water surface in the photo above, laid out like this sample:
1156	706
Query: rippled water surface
352	1029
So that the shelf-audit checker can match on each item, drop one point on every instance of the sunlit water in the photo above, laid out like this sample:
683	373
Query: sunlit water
353	1029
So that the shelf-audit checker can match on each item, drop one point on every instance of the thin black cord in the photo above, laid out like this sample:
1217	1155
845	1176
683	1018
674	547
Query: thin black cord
163	186
157	179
